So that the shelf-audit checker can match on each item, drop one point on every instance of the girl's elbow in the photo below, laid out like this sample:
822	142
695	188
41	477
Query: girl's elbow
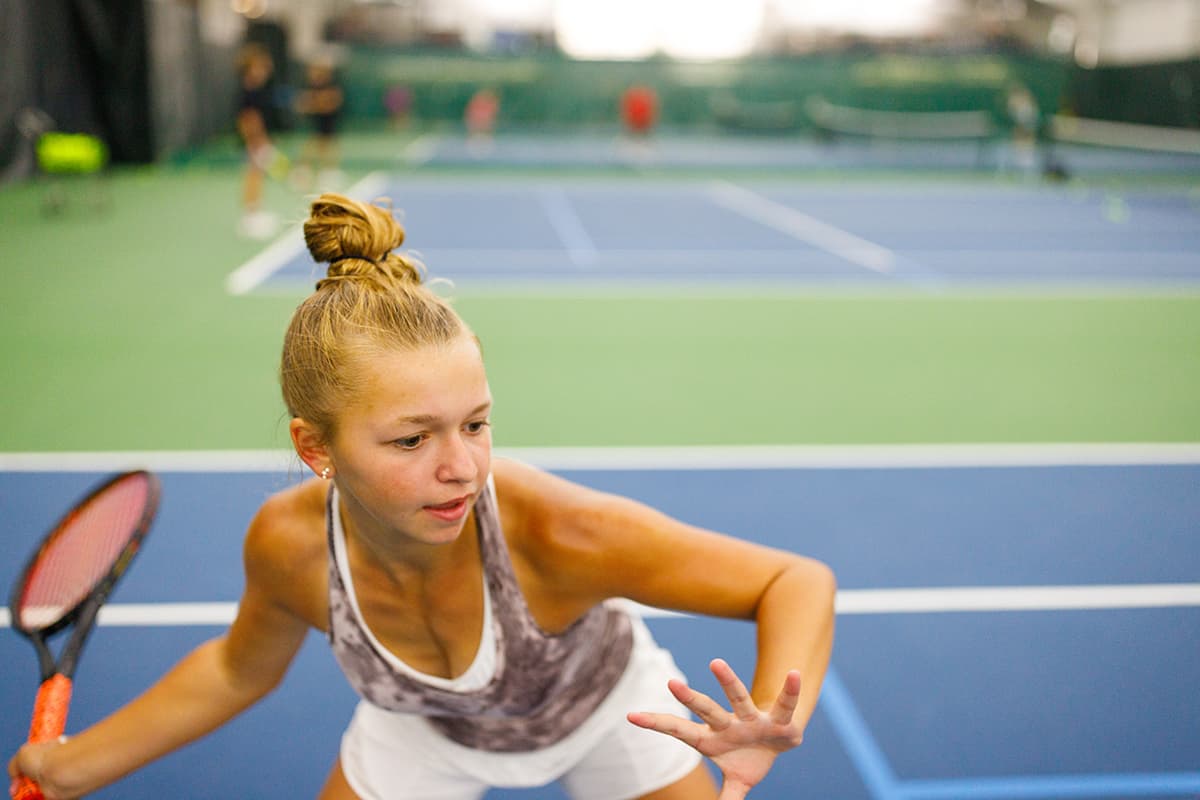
818	578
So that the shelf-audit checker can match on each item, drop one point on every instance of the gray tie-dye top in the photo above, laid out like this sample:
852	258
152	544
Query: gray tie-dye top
544	686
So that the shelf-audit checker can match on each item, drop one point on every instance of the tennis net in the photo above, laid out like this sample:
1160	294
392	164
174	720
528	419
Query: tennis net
1094	145
829	118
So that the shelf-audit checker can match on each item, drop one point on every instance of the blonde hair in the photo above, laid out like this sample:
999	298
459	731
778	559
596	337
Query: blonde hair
370	300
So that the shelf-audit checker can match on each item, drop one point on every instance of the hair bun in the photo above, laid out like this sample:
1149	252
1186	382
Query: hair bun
356	240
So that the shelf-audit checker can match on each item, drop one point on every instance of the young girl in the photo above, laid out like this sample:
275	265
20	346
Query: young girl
473	603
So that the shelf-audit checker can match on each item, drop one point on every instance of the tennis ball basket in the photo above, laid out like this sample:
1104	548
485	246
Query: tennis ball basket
65	160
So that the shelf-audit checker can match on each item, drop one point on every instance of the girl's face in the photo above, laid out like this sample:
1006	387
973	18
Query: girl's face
414	449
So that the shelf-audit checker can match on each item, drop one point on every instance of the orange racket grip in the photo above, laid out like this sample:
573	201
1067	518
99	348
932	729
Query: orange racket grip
25	789
50	709
49	721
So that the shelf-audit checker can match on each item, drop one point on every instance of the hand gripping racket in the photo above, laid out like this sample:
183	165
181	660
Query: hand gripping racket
69	577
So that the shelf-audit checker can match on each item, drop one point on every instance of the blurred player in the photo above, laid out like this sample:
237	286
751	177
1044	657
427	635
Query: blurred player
320	101
639	110
1024	120
480	118
255	67
398	100
639	115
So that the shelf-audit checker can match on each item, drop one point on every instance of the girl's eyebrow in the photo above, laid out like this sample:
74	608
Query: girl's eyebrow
426	419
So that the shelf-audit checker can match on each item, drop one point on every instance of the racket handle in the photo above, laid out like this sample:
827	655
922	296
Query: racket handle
50	709
24	789
49	721
271	160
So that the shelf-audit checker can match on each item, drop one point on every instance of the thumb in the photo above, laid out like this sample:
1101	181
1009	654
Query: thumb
733	790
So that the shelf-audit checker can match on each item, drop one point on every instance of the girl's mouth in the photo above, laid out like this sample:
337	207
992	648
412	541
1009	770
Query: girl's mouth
452	511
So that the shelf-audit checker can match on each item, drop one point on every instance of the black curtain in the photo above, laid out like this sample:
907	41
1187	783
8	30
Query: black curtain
90	71
1149	94
17	85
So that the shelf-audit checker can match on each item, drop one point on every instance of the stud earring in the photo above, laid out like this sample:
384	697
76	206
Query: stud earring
325	474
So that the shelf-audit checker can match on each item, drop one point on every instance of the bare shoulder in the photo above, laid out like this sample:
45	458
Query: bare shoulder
550	519
536	502
553	553
286	590
285	550
290	523
593	544
527	484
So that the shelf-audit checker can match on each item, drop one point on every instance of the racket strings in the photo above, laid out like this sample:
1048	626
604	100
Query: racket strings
85	549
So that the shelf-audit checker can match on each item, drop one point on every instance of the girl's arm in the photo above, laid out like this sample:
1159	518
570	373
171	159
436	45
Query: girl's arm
207	688
591	546
795	617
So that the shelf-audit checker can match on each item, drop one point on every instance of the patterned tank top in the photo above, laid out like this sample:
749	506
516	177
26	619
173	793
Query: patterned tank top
542	687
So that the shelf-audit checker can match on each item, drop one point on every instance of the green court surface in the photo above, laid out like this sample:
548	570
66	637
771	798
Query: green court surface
119	335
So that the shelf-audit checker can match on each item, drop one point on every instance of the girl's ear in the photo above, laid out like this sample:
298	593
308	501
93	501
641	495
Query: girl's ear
310	446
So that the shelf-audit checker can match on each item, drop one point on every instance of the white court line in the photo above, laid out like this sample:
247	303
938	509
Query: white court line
898	456
849	602
1017	598
269	261
801	226
290	244
568	226
421	149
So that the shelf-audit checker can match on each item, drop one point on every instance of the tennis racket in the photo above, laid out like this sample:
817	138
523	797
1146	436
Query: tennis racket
273	161
69	577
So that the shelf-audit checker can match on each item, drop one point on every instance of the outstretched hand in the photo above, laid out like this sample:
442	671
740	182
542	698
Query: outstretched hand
744	742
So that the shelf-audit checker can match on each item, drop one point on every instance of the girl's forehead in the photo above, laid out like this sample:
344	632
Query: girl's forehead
417	374
461	353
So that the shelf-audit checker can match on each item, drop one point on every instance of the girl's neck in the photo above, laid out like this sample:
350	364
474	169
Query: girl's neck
396	553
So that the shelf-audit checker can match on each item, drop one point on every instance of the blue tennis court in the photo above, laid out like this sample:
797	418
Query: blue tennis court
597	232
1013	623
846	155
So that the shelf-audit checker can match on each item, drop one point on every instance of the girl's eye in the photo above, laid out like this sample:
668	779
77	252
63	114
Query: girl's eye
410	442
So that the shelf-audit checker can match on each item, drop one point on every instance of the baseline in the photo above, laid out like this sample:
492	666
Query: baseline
685	457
